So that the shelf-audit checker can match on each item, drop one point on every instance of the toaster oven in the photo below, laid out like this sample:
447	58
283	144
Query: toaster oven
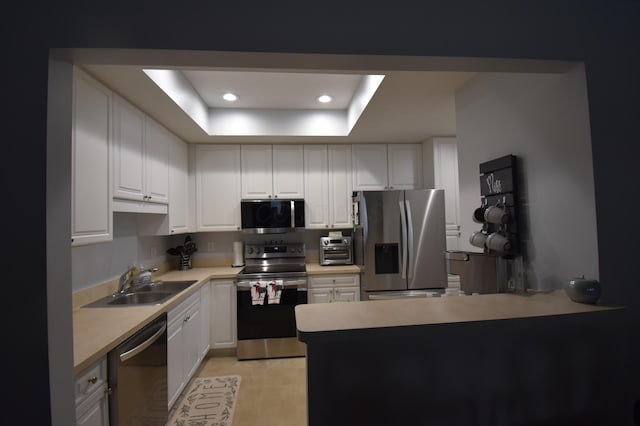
336	251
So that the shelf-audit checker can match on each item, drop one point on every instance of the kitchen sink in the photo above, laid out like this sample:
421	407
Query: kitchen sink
168	286
152	297
146	294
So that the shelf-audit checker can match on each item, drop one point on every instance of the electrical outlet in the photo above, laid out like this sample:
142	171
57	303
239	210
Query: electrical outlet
211	246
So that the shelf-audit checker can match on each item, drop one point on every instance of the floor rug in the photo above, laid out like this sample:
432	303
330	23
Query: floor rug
209	401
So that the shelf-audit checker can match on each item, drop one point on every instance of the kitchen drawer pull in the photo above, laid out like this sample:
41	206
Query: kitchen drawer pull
92	380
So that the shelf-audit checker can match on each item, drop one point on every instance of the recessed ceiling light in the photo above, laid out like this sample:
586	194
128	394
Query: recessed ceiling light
325	99
229	97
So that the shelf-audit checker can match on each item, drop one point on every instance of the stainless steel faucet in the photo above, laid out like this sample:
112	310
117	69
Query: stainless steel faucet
135	275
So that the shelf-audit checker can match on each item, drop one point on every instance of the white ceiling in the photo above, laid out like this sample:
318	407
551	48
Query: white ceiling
415	101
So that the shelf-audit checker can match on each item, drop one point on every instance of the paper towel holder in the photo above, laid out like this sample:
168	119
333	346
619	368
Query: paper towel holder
238	257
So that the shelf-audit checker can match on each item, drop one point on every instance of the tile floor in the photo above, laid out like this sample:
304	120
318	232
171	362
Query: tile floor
272	391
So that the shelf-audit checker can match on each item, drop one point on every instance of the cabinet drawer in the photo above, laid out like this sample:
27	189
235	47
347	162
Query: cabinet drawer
181	309
90	379
334	280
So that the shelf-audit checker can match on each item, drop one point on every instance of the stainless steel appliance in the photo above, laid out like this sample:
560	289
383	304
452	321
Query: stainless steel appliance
336	251
400	242
271	216
269	330
137	370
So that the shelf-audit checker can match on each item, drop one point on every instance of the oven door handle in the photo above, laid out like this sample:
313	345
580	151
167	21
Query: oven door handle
300	284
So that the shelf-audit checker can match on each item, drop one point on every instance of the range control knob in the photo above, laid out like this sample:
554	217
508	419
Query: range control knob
299	250
345	241
250	250
326	242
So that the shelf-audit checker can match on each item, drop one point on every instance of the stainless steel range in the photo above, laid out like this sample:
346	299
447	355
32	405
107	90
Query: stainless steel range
267	326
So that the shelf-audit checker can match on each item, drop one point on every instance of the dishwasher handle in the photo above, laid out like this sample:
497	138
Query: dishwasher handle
161	328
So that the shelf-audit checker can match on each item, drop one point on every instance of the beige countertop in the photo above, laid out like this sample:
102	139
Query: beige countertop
96	331
328	317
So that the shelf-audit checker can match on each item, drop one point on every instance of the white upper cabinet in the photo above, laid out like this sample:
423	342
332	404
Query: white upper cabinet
272	171
257	171
217	187
405	166
91	210
288	171
370	167
327	178
178	186
140	158
316	186
340	186
379	167
177	220
156	159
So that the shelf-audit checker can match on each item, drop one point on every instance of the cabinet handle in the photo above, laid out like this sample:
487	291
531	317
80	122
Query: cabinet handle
187	318
92	380
108	391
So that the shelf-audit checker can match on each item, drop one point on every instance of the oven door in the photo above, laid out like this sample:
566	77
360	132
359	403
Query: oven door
336	255
269	330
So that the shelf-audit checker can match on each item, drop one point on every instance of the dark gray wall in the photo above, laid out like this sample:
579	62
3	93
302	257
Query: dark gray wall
603	34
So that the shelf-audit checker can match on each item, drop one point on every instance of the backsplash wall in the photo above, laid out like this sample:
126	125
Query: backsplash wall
96	263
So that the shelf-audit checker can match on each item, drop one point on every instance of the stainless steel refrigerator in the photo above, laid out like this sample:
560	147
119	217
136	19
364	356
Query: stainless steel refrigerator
400	242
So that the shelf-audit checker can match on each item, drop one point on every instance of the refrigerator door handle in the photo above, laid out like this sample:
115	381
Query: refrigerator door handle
403	242
409	244
364	218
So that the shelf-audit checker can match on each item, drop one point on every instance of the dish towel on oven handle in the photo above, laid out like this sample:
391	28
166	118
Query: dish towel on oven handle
258	292
274	290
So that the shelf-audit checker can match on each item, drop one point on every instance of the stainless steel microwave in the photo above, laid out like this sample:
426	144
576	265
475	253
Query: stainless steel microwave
272	216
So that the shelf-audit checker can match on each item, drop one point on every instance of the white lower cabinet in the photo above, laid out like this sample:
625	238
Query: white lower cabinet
223	314
183	344
92	396
334	288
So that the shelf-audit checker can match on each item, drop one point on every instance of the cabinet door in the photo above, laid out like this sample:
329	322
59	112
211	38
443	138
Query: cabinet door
405	166
346	294
95	410
178	186
340	186
175	360
223	314
320	295
217	187
369	167
442	154
205	319
156	159
257	171
128	151
288	171
91	211
316	182
192	337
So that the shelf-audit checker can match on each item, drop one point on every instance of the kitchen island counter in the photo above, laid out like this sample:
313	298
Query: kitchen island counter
314	318
499	359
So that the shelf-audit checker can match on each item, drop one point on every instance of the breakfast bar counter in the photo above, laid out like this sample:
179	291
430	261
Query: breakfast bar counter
501	359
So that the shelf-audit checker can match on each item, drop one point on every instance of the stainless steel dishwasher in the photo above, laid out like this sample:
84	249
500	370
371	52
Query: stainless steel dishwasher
137	370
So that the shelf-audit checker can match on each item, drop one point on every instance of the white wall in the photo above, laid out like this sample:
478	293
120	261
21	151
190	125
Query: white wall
543	120
96	263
